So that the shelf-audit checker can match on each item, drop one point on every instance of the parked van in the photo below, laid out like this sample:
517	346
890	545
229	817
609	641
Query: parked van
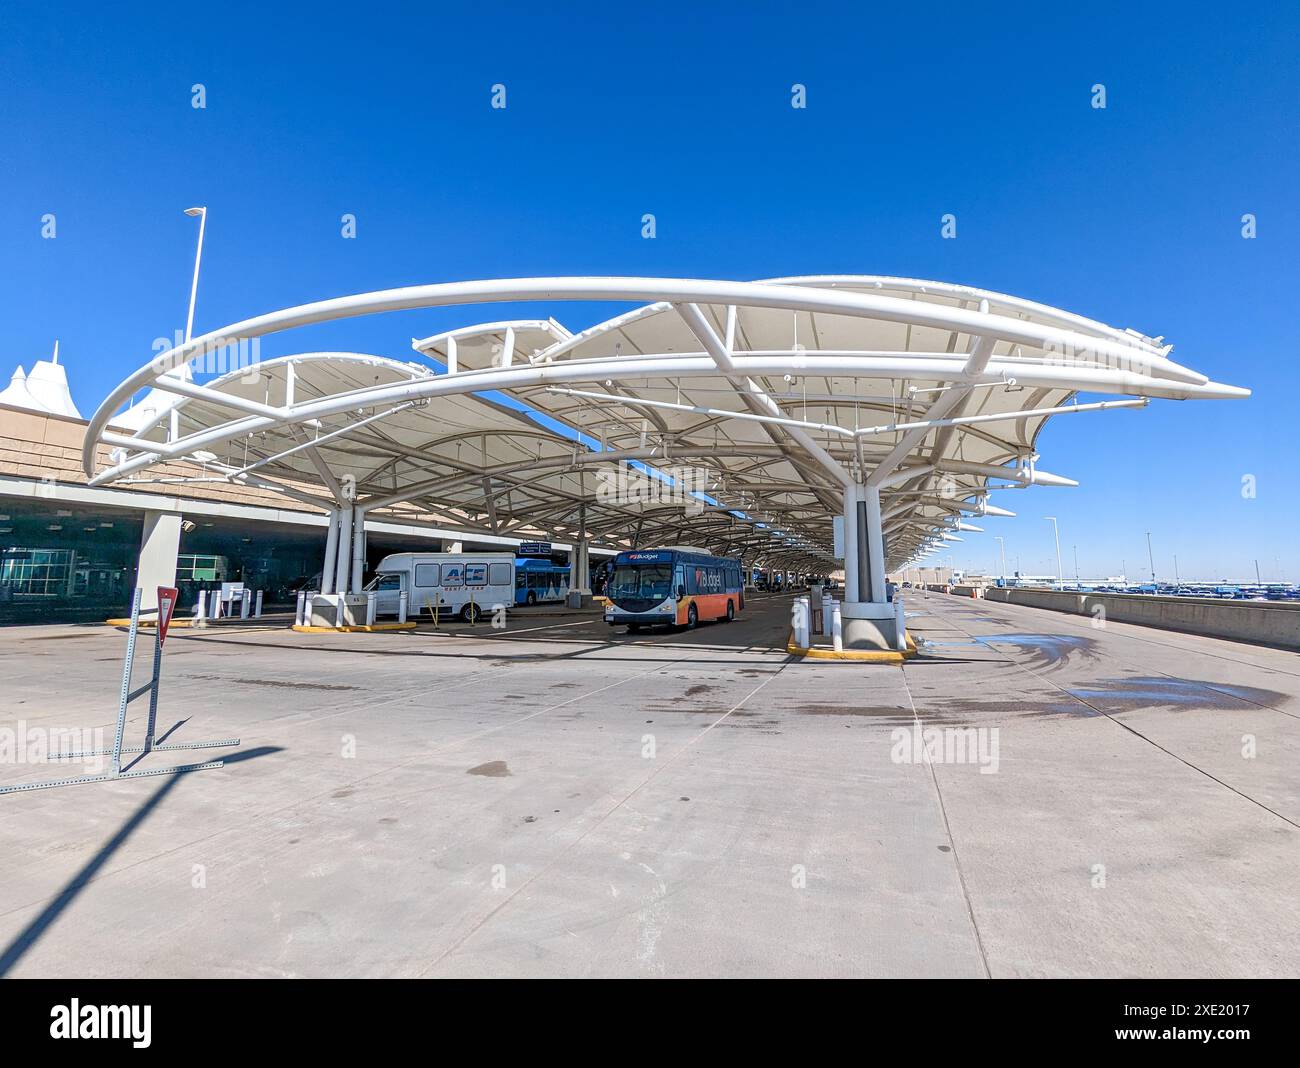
464	585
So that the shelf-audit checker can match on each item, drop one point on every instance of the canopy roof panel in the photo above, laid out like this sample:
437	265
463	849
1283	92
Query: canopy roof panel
728	414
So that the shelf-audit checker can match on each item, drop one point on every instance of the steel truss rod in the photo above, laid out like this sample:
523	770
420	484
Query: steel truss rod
670	366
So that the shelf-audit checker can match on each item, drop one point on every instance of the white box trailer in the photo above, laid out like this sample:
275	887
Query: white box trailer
468	585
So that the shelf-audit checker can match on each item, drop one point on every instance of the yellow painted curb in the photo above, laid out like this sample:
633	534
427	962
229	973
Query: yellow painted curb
304	629
870	656
149	623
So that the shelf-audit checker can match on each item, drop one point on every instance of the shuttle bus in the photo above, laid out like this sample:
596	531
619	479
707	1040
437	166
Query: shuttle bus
540	580
468	585
675	585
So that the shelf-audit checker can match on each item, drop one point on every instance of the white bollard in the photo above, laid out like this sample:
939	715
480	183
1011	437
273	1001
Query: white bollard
802	622
900	619
245	603
837	628
257	606
300	614
201	609
215	604
827	602
401	607
370	609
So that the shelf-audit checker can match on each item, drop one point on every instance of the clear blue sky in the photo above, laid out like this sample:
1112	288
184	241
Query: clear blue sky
1130	215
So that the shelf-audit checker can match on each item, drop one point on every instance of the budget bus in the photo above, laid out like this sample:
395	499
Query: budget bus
675	585
540	580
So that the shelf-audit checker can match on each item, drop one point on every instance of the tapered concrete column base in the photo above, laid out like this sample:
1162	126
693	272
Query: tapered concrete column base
870	625
158	548
337	610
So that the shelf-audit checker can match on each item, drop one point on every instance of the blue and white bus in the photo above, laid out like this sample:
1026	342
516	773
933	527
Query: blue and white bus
538	580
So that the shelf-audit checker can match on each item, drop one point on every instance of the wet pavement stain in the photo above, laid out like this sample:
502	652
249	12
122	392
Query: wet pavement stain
699	688
277	683
1152	692
887	712
1046	650
493	769
959	712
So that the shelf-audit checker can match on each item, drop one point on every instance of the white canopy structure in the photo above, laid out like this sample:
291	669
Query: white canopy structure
754	415
45	390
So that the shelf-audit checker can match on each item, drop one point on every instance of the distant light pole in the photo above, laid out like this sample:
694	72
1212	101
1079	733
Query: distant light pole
202	213
1057	533
1002	546
1076	567
1151	558
1177	581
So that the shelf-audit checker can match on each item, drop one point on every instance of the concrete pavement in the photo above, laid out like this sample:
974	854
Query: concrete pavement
559	799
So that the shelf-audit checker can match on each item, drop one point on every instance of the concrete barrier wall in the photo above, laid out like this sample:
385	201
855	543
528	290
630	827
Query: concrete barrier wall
968	591
1263	622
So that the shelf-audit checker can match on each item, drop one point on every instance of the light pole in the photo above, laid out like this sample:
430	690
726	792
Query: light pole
1151	558
1076	567
1002	546
202	213
1057	533
1177	581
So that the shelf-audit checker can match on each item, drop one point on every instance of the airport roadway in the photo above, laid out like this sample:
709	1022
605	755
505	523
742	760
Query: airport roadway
558	799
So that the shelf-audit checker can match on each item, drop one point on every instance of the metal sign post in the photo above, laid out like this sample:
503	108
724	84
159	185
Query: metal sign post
166	605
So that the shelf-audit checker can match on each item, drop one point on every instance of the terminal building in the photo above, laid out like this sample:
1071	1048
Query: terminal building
70	552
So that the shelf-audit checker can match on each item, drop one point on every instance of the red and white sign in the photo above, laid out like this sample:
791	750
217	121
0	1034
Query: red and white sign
167	596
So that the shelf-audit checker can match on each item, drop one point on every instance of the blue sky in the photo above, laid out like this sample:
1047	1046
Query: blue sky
1130	214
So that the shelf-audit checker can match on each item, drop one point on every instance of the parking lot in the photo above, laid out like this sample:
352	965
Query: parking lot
557	798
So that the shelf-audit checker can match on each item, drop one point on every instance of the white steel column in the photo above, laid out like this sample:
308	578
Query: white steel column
345	550
358	547
875	539
851	545
331	552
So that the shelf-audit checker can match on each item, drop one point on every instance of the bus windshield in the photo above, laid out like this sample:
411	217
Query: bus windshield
641	582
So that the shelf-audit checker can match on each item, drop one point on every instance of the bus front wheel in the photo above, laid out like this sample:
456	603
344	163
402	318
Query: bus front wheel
531	598
692	618
471	613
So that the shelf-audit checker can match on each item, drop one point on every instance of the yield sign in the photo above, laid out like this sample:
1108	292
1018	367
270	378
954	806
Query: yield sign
166	605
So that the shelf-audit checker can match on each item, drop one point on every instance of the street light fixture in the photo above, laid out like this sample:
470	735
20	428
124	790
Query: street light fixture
202	213
1057	533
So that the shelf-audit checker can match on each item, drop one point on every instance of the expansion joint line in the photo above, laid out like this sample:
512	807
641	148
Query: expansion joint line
947	828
